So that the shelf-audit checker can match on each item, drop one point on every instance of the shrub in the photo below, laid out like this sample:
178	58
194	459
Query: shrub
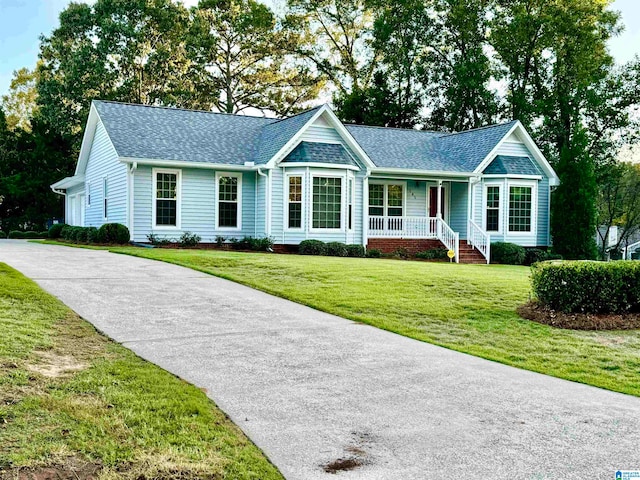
312	247
336	249
81	234
507	253
2	234
439	253
114	233
401	252
92	235
588	287
16	234
374	253
241	243
155	240
535	255
220	240
261	244
188	239
355	250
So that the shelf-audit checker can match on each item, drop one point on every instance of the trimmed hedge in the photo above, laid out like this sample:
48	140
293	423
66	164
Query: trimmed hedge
433	254
588	286
312	247
28	235
336	249
114	233
374	253
356	250
507	253
55	230
2	234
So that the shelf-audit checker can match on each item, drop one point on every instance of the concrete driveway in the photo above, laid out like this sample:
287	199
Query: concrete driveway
310	388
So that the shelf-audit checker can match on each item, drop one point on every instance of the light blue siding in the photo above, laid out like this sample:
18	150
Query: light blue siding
544	193
103	162
197	205
458	206
416	198
261	206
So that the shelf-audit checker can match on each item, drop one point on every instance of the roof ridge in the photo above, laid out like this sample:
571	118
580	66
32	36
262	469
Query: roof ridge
494	125
195	110
392	128
298	114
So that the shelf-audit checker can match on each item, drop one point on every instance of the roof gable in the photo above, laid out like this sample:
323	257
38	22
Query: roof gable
510	165
327	153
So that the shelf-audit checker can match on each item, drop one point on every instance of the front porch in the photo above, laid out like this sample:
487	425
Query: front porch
421	214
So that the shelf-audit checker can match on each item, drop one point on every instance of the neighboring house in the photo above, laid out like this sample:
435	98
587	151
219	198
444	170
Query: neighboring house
164	171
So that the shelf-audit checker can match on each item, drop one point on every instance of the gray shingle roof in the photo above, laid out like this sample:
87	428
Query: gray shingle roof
160	133
423	150
504	164
320	153
173	134
277	134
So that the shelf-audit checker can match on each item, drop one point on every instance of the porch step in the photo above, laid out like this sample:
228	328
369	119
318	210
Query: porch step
469	254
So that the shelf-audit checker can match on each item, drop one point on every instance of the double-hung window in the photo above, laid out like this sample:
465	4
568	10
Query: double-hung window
492	214
229	200
350	204
295	201
520	208
166	198
327	203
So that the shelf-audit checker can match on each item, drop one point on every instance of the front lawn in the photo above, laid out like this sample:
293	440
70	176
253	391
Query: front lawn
469	308
73	404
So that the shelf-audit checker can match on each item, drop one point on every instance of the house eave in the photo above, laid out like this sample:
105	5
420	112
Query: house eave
426	173
156	162
67	182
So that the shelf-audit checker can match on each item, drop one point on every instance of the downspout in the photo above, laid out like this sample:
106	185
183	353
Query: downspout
64	194
267	198
130	192
365	208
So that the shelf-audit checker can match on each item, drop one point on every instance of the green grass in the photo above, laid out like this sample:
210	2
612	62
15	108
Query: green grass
70	397
469	308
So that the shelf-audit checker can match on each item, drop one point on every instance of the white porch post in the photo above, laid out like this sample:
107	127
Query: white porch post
365	210
439	210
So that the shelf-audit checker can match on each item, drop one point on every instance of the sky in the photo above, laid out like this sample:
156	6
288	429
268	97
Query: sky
23	21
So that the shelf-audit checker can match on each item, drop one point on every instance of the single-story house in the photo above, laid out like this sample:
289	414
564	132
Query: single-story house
165	171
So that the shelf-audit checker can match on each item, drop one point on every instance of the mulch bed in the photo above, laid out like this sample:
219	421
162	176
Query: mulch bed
537	312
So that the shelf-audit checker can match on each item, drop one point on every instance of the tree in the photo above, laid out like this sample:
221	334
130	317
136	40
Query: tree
573	215
240	59
618	202
335	37
457	70
20	103
126	50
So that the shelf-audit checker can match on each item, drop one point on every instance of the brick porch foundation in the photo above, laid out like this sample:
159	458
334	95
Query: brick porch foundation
413	246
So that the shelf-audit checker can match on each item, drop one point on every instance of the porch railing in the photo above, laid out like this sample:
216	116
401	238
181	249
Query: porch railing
415	228
405	227
448	237
479	239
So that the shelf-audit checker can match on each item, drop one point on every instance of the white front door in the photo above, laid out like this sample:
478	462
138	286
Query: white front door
80	207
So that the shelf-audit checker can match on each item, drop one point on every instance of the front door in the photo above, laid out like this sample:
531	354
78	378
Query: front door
81	210
433	202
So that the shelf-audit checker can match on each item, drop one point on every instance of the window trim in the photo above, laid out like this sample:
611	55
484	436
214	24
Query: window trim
154	196
302	176
485	195
87	189
343	191
105	198
351	205
237	175
534	208
385	195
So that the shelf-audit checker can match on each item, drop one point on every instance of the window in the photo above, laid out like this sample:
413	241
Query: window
166	203
350	204
394	200
229	200
327	202
105	197
492	223
376	200
520	204
394	196
295	202
88	194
